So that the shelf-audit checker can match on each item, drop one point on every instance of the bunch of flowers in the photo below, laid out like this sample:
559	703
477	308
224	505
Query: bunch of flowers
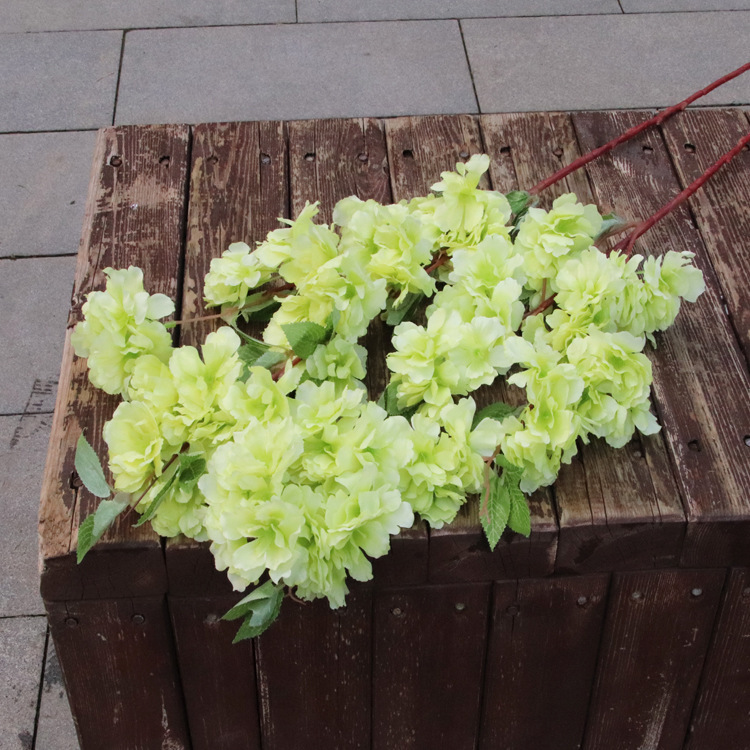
272	449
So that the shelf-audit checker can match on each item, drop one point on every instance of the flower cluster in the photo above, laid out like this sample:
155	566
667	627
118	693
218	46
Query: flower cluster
271	449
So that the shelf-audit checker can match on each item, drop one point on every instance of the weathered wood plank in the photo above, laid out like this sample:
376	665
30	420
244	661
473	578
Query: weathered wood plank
429	645
721	717
314	670
120	673
134	216
696	139
218	677
700	379
542	631
656	634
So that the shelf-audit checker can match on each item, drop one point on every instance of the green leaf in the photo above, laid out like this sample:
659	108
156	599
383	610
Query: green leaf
157	501
93	527
252	351
611	223
519	519
333	321
499	410
304	337
90	469
192	468
263	313
395	315
519	201
495	519
259	609
269	359
389	401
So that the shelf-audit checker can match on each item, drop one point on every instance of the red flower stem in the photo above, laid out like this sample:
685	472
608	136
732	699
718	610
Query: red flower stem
277	375
542	307
632	132
628	242
439	262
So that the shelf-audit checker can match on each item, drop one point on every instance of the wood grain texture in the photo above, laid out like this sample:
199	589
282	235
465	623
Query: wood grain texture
134	216
541	658
429	647
700	379
120	674
721	717
696	139
656	634
218	677
314	671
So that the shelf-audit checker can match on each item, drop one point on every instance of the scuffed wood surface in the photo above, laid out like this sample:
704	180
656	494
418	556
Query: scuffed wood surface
134	216
429	645
656	634
696	139
218	677
541	657
313	672
120	673
700	379
721	717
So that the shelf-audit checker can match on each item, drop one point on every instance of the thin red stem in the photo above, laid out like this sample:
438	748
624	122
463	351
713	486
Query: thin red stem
439	262
628	242
632	132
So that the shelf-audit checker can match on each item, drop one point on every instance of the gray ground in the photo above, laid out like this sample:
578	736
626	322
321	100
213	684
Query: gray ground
72	66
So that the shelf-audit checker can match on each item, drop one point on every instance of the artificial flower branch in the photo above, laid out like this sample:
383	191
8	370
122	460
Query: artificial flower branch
657	119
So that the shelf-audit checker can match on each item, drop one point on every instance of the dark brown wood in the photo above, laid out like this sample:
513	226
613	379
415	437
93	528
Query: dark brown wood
427	672
314	671
655	639
700	379
134	216
696	139
721	717
541	659
218	678
120	673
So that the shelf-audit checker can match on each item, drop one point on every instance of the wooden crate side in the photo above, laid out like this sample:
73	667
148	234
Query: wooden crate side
541	659
429	647
696	139
120	672
134	216
314	674
656	634
700	379
721	717
218	677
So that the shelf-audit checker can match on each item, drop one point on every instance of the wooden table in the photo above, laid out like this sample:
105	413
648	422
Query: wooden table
623	622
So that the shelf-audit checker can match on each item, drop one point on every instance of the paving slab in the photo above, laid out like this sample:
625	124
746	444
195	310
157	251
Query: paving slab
661	6
34	302
55	727
23	451
603	62
21	655
78	15
294	71
357	10
43	188
58	81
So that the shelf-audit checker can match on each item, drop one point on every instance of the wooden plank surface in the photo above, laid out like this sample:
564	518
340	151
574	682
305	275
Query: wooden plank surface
721	717
700	379
134	216
314	671
218	677
541	658
120	673
656	634
429	645
696	139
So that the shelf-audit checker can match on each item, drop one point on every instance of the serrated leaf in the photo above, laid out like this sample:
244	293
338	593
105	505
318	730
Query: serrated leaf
247	603
495	519
252	350
519	200
259	609
304	337
519	519
389	401
269	359
262	313
499	410
192	468
395	315
93	527
157	501
90	470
